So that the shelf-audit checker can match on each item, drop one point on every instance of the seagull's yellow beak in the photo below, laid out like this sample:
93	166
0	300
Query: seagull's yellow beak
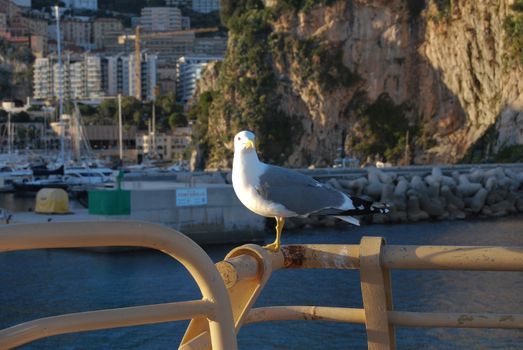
249	144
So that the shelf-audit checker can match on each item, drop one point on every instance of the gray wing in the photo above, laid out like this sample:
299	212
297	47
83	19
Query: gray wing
297	192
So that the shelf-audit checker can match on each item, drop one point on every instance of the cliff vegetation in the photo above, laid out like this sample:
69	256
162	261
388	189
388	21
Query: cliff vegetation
402	81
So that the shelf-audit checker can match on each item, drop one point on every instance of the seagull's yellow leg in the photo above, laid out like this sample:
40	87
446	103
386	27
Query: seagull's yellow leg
275	246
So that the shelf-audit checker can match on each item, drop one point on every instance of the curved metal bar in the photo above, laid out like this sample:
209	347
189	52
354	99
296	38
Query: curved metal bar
139	234
102	319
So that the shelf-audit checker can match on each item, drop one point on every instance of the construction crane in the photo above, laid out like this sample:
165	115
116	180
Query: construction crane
139	36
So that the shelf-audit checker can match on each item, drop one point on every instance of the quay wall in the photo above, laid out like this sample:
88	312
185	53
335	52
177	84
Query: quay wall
414	193
212	215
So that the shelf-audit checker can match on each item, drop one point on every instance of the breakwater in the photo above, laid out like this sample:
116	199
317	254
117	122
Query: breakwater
439	194
415	193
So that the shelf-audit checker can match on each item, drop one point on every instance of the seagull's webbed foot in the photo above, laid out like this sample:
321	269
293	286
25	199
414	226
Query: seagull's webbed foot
275	246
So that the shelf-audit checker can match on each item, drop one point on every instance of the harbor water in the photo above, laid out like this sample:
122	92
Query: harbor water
36	284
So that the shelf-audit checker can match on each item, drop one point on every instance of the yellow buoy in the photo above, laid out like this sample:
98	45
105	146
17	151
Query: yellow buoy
52	201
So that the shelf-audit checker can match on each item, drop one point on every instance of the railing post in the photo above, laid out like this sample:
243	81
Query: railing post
377	295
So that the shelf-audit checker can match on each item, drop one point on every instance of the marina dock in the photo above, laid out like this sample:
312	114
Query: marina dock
207	213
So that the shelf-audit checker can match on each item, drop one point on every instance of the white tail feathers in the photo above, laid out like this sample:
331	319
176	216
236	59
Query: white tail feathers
349	219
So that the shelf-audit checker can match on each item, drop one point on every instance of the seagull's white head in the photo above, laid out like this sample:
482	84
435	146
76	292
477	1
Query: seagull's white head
244	141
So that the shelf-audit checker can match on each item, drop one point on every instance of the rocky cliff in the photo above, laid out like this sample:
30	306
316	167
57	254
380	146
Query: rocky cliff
361	73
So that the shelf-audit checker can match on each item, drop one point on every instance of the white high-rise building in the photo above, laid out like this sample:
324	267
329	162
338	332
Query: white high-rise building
158	19
189	69
205	6
81	77
92	76
77	74
118	75
43	78
148	75
62	79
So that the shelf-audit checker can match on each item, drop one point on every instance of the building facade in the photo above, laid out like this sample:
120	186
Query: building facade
43	78
106	31
80	77
165	146
118	75
205	6
159	19
188	71
148	77
78	31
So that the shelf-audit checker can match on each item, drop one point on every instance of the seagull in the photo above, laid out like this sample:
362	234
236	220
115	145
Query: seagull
273	191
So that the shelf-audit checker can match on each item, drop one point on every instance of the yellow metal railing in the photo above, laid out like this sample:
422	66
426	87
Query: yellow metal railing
227	302
214	307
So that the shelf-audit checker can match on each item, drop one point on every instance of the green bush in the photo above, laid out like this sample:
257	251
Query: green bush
296	6
480	151
384	128
513	26
319	62
509	154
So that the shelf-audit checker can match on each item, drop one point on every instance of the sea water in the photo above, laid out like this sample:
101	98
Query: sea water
36	284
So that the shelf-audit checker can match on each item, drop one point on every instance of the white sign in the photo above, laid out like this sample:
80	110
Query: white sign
191	196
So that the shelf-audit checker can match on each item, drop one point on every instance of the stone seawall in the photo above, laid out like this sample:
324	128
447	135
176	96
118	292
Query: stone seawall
440	195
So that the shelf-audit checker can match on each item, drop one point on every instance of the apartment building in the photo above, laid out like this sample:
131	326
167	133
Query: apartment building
158	19
78	31
106	31
81	77
43	79
21	26
170	46
118	74
62	79
189	69
211	46
205	6
86	78
166	146
148	78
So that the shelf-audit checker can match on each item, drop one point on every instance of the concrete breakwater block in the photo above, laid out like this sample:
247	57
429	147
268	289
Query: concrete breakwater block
413	210
421	195
476	203
451	198
437	195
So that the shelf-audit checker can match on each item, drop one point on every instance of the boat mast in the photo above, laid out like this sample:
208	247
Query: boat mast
9	135
60	87
120	136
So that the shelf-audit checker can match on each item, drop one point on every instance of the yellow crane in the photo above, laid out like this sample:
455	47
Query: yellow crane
138	36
